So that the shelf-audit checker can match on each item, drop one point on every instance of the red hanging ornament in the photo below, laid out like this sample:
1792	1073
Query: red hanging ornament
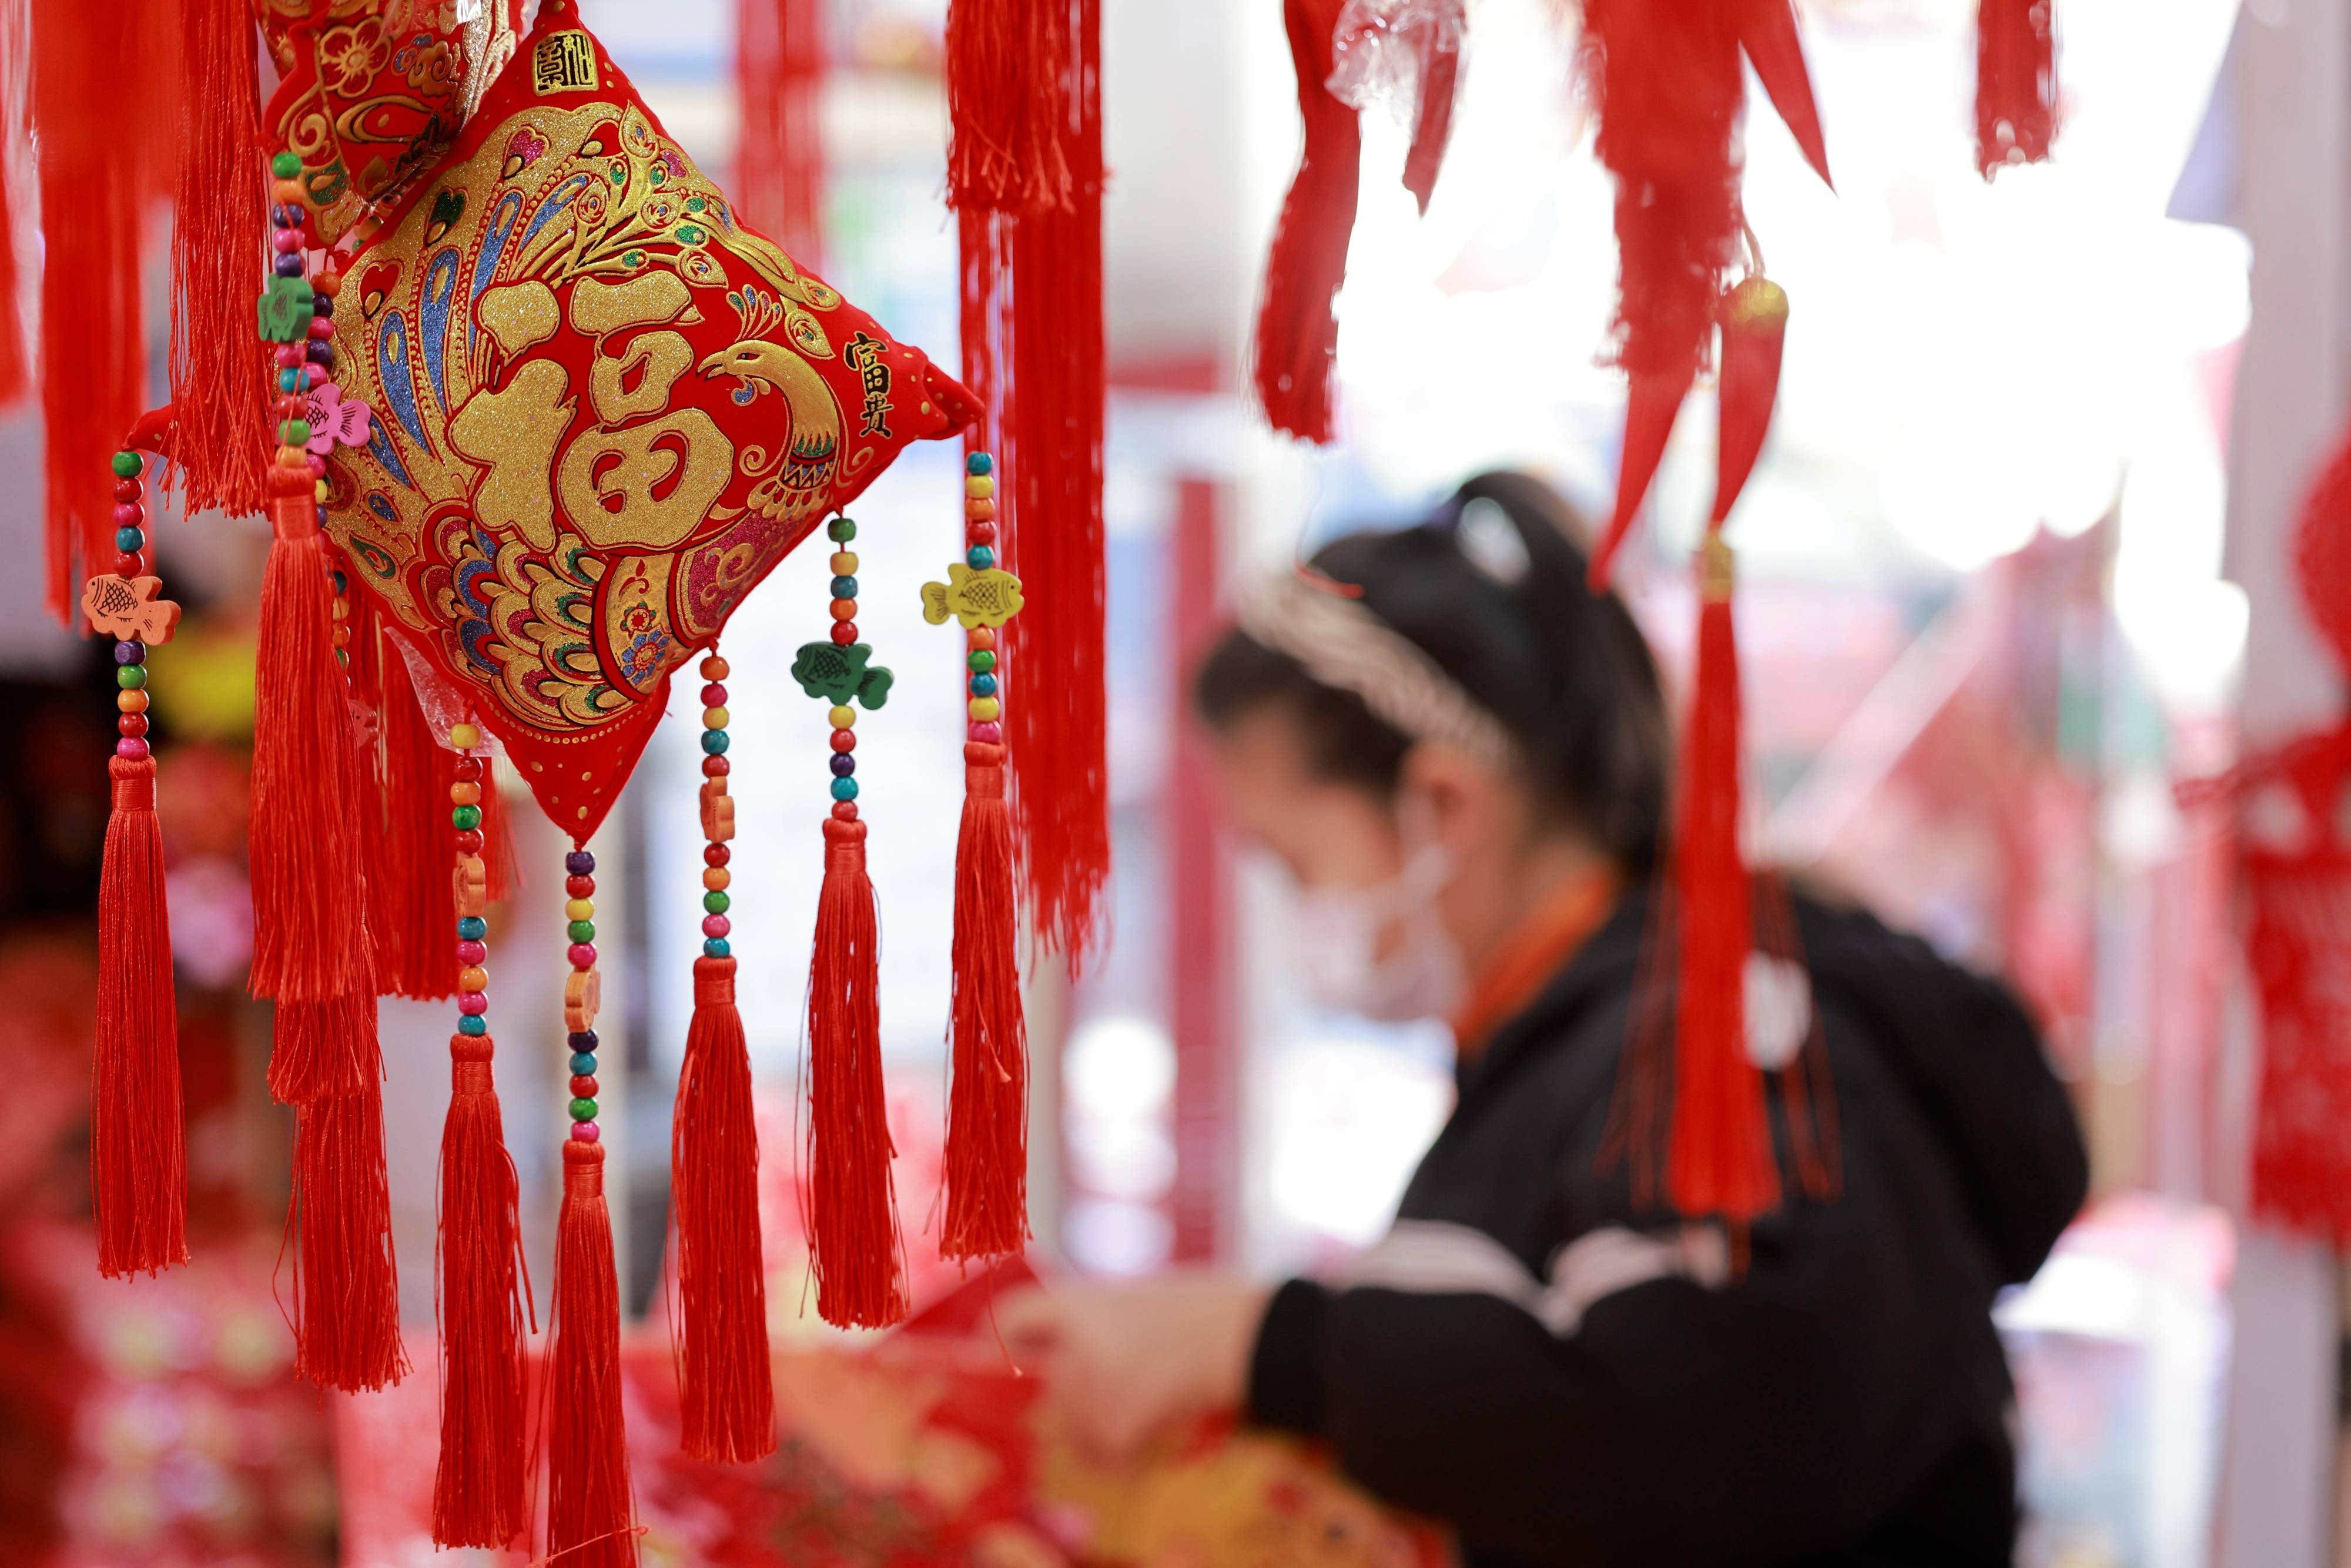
347	1286
2016	83
591	1518
780	69
1297	332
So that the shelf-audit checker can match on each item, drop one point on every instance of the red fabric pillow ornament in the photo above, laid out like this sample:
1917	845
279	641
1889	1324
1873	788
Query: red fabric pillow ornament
600	412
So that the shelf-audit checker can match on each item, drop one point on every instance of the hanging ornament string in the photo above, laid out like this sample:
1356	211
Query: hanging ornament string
725	1387
484	1288
854	1248
986	1174
137	1161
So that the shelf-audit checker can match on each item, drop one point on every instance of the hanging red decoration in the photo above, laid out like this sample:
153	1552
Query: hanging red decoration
2016	83
1297	331
780	70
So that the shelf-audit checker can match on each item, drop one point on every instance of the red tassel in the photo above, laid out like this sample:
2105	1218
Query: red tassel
92	160
305	870
1720	1162
138	1168
478	1489
728	1400
1005	95
779	157
1754	331
220	387
408	871
1297	332
1768	31
2016	83
322	1050
590	1517
853	1240
987	1174
15	363
347	1312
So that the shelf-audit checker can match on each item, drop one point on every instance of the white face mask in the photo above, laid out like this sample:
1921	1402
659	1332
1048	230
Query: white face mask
1340	937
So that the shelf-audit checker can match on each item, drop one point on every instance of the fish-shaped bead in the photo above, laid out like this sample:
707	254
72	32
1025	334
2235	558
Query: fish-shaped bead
126	608
836	674
987	597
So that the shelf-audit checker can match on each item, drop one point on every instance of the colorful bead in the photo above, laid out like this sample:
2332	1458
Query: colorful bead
844	788
713	695
582	1061
981	533
583	1084
844	588
465	736
583	1110
472	1003
581	955
982	637
979	462
582	1040
714	926
130	652
983	685
715	902
841	717
715	854
844	740
585	1132
713	719
714	741
472	951
844	810
131	747
979	487
714	668
714	948
127	464
844	563
841	531
987	734
579	887
844	610
580	930
470	842
464	818
130	542
980	557
717	877
468	769
715	767
132	724
582	908
286	165
473	928
130	701
465	793
985	708
579	862
981	661
473	1024
130	677
843	765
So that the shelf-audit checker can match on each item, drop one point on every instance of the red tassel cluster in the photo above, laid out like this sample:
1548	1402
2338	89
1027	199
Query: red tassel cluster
1025	177
854	1248
220	389
139	1174
987	1174
779	67
590	1516
729	1397
477	1486
1297	331
2016	83
347	1297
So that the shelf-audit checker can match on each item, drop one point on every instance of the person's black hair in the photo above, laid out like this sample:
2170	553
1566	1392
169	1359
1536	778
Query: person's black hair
1564	669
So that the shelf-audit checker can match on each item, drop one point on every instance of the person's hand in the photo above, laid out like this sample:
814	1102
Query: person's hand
1123	1360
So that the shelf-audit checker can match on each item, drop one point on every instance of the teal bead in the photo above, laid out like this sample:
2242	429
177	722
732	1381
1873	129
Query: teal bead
465	819
583	1063
981	557
844	588
979	462
841	531
714	741
290	381
982	662
581	930
130	677
473	928
127	464
287	165
583	1110
130	542
714	901
716	947
844	788
473	1024
983	685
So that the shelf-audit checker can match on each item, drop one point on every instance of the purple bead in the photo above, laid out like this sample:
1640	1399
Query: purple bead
579	862
287	267
472	1004
473	952
712	925
130	652
585	1132
582	954
990	734
320	352
131	746
843	765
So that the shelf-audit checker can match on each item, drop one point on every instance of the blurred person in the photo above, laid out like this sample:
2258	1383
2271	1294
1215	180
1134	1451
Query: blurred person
1462	757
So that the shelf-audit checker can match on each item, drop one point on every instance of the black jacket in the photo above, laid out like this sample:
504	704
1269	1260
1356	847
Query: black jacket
1575	1395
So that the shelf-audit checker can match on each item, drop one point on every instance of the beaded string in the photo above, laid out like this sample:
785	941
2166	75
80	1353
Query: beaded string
582	990
471	885
296	315
130	648
717	810
843	717
986	705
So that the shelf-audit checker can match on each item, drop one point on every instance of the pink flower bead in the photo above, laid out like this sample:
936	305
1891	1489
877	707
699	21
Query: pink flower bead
712	925
585	1132
988	734
472	1003
583	955
473	952
131	747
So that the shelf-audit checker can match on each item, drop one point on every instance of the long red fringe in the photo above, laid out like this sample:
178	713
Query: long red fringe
1721	1160
347	1313
780	65
138	1167
591	1518
15	361
1297	332
306	890
484	1295
854	1248
322	1050
1006	97
408	872
986	1174
220	388
727	1390
2016	83
94	171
